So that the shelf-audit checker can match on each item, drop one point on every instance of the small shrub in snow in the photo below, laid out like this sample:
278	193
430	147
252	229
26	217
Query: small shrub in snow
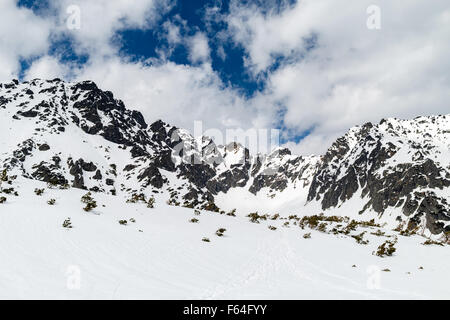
399	228
151	202
272	228
386	249
51	202
197	212
410	230
206	240
132	220
89	201
211	206
38	191
429	242
220	232
386	270
307	235
2	199
9	191
360	238
4	176
64	186
447	237
188	204
135	198
67	224
322	227
275	216
123	222
351	226
193	220
254	217
232	213
378	233
370	223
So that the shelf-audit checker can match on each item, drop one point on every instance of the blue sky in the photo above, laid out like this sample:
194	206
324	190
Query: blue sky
310	68
141	44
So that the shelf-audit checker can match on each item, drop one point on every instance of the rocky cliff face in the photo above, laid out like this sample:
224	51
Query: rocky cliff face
394	164
74	134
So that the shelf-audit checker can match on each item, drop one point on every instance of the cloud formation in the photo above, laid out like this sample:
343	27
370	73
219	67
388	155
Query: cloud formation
23	35
349	74
319	67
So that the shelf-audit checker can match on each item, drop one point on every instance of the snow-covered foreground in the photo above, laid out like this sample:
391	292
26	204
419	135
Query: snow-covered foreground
101	259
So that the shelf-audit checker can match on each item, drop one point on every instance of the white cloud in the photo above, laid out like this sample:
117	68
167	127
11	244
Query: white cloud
198	48
354	74
22	35
101	19
47	67
178	94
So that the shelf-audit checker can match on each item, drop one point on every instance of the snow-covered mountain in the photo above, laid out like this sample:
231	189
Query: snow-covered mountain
77	135
65	147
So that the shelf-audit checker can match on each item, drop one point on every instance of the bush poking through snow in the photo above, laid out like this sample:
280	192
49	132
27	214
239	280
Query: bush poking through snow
67	224
135	198
386	249
272	228
232	213
38	191
197	212
123	222
378	233
89	201
51	202
4	176
193	220
220	232
360	238
254	217
2	199
429	242
322	227
447	237
133	220
151	202
206	240
307	235
9	191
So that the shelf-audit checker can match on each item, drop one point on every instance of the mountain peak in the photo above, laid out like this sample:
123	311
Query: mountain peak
79	135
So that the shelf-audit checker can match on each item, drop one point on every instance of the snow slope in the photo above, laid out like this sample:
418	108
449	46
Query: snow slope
169	260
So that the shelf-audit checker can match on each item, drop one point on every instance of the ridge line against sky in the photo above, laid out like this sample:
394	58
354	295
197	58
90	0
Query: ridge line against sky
310	68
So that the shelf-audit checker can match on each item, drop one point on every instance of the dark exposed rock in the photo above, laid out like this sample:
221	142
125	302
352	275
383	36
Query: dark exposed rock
48	173
152	176
77	172
44	147
98	175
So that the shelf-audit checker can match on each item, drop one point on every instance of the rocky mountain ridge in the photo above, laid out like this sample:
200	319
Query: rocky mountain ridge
77	135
